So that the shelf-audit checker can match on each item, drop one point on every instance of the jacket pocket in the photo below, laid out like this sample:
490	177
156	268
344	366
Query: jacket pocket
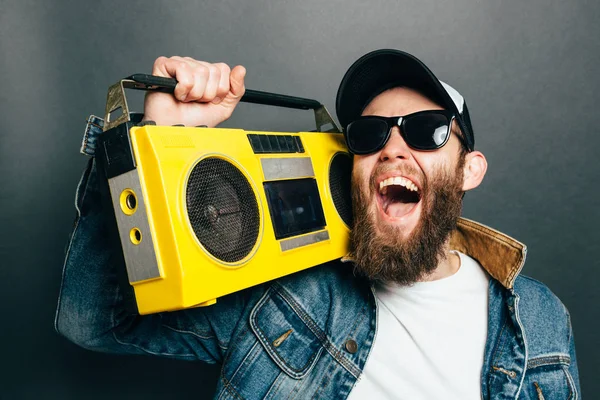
548	378
284	334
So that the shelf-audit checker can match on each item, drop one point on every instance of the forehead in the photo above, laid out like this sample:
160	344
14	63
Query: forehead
399	101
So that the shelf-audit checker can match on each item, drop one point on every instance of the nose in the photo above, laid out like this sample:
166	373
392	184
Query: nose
395	148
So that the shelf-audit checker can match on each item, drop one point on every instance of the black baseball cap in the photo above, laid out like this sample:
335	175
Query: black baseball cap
384	69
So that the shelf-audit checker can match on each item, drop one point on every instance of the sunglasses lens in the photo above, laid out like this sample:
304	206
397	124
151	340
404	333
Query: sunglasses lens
366	135
426	131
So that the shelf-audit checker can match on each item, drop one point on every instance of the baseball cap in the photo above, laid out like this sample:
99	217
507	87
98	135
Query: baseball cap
384	69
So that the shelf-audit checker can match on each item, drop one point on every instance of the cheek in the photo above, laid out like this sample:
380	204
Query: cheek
361	171
357	179
432	164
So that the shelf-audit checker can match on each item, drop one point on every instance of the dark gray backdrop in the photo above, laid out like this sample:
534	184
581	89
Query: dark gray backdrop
528	70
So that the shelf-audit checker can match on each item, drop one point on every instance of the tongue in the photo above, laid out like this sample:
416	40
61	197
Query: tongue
398	209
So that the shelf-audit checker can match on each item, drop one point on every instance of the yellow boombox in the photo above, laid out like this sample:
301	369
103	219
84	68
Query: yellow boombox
204	212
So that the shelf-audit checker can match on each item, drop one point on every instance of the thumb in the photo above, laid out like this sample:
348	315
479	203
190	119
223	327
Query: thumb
236	81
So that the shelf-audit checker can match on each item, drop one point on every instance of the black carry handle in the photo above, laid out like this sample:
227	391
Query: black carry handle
116	101
167	85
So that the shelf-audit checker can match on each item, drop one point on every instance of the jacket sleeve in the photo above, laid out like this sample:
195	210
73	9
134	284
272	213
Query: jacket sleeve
91	310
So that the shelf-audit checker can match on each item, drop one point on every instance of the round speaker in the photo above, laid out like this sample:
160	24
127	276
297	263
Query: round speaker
340	172
222	209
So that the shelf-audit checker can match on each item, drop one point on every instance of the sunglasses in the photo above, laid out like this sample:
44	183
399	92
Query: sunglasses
423	130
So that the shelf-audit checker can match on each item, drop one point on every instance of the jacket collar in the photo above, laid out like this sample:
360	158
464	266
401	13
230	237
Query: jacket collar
500	255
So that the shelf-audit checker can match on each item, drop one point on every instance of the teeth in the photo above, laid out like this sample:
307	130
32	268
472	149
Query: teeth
396	180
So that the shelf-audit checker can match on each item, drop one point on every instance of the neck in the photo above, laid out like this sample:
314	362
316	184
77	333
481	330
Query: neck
447	266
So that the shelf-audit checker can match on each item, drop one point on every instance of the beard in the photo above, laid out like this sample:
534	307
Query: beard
384	254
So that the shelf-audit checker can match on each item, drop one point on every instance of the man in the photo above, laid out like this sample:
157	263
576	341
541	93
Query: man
426	306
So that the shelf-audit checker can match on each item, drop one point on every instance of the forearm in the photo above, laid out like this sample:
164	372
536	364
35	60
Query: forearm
91	311
90	303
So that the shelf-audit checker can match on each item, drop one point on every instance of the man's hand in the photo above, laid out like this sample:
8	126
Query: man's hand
206	93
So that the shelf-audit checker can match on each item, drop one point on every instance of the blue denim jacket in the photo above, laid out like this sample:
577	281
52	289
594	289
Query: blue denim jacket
289	338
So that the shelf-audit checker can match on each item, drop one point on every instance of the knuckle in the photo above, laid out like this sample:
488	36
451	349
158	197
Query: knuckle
160	61
214	70
223	67
201	71
175	60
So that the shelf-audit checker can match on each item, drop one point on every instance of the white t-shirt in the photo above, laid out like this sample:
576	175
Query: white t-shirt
430	339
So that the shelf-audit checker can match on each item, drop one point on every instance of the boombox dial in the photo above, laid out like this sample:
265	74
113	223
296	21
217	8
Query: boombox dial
222	209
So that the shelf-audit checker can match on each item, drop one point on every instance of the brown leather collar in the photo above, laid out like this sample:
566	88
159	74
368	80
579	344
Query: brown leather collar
500	255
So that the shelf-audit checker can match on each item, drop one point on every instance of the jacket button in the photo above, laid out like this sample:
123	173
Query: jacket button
351	346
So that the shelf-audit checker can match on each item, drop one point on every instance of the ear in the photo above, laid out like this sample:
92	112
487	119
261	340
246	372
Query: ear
474	170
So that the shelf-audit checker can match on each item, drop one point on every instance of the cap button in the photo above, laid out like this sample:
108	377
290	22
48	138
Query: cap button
351	346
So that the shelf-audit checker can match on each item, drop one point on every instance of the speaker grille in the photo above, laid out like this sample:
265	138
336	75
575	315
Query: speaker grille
339	184
222	209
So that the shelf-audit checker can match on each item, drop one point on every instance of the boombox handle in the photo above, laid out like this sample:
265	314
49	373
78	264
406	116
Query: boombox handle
116	100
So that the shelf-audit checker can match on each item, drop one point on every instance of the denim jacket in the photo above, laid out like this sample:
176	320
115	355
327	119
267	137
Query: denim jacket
308	335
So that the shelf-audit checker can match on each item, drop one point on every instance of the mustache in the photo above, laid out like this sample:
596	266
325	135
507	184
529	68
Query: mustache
405	170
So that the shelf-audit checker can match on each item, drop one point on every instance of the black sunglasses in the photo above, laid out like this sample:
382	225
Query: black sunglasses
423	130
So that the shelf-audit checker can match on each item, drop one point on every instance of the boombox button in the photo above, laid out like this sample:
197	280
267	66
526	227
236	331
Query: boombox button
299	144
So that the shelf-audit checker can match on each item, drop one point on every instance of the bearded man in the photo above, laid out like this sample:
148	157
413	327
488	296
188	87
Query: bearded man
426	306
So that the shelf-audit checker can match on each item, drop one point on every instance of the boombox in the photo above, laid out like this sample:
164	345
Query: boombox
204	212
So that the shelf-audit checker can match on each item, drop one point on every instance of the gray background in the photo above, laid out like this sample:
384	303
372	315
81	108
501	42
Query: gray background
528	70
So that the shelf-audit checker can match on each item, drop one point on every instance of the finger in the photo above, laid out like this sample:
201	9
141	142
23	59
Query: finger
212	84
201	74
178	68
223	87
167	67
159	68
236	82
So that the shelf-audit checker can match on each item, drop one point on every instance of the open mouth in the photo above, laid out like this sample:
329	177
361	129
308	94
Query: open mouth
398	196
